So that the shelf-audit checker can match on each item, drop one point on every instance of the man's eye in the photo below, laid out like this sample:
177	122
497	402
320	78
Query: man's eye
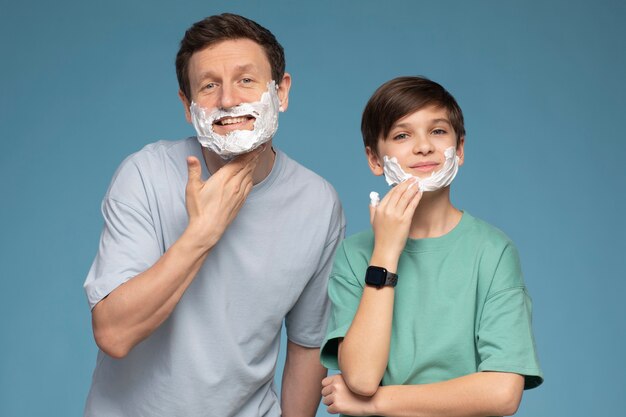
209	86
246	80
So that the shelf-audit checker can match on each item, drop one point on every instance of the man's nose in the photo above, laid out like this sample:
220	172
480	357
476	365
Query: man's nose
228	97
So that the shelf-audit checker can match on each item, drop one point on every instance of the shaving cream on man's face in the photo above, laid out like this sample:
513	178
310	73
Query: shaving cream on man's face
265	113
442	178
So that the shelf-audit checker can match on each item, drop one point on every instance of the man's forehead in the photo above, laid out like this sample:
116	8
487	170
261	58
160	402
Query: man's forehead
236	69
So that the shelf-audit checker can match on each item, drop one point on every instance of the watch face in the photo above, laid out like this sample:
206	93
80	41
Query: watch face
375	276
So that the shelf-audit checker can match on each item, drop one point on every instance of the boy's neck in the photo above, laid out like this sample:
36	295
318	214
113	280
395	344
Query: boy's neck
435	215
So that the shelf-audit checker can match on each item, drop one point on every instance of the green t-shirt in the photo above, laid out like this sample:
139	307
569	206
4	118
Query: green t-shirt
460	306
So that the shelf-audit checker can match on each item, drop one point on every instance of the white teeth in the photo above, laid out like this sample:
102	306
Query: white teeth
232	121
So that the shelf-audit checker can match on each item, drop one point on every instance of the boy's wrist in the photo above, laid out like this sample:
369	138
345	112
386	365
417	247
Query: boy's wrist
384	259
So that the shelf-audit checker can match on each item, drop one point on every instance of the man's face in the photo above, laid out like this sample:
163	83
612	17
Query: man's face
418	141
229	73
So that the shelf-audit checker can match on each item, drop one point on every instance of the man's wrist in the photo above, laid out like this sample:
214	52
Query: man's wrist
195	238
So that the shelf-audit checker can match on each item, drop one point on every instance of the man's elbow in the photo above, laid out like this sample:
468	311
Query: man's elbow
110	344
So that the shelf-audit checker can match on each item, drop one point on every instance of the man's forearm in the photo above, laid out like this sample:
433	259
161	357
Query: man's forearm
132	311
302	378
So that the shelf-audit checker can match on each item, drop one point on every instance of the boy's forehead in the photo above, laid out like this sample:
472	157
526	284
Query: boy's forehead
428	114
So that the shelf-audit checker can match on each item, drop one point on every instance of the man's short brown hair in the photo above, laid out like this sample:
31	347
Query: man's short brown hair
400	97
218	28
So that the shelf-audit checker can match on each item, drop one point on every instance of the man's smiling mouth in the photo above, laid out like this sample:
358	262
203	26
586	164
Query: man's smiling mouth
225	121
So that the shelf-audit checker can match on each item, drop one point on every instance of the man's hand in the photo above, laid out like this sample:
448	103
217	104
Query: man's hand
339	399
213	204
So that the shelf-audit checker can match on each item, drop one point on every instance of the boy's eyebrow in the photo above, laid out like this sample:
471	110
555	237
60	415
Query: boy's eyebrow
446	121
433	121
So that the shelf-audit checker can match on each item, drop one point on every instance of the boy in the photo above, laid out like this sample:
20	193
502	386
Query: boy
430	315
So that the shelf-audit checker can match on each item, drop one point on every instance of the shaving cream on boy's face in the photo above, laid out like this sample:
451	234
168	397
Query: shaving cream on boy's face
442	178
265	114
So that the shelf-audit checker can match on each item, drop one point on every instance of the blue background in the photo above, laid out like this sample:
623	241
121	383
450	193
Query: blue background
542	86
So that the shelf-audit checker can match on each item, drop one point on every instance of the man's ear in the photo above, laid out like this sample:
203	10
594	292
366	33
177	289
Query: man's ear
283	92
375	163
460	150
186	105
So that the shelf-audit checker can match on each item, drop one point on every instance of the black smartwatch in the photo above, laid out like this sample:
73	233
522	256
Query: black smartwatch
380	277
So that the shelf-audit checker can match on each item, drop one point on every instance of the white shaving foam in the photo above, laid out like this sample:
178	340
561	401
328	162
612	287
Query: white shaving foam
265	111
374	199
442	178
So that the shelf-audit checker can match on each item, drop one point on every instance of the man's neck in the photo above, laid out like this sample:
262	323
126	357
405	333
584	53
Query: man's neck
264	166
435	215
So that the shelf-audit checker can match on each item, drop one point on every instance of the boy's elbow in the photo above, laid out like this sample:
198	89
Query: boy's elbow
510	395
364	385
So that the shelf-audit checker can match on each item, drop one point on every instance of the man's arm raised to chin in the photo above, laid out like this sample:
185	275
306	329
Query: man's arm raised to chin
135	309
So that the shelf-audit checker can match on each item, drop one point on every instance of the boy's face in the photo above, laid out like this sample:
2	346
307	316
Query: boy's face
418	141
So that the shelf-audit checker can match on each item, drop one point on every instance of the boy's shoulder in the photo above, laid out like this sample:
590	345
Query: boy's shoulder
484	231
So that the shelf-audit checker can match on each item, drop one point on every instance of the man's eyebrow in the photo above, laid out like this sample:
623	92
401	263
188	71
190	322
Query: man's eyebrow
245	67
239	68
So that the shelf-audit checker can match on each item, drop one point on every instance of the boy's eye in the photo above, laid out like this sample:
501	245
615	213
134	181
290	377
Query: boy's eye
400	136
439	132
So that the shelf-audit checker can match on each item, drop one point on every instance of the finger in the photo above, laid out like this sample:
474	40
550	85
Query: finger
414	203
327	390
248	157
396	192
327	400
407	197
194	170
327	381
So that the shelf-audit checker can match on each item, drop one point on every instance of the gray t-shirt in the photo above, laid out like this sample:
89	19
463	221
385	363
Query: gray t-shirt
216	354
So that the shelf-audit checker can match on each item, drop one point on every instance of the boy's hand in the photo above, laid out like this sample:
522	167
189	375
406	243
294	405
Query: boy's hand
339	399
213	204
391	221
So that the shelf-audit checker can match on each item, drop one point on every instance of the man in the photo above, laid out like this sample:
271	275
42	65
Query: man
207	249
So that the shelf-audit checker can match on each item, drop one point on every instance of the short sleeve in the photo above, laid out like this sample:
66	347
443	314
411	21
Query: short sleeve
306	321
344	291
128	244
505	339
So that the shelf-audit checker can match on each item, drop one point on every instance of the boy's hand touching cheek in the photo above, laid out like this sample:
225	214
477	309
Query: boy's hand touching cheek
391	221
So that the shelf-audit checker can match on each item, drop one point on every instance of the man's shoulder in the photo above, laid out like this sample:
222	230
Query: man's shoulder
158	162
164	150
305	179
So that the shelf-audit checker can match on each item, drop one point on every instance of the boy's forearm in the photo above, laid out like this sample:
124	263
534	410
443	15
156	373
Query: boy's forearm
364	352
478	394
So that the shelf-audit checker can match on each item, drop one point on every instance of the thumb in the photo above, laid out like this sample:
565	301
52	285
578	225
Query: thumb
194	170
374	201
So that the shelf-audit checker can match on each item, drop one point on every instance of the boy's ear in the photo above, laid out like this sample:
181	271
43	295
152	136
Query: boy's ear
460	150
375	163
